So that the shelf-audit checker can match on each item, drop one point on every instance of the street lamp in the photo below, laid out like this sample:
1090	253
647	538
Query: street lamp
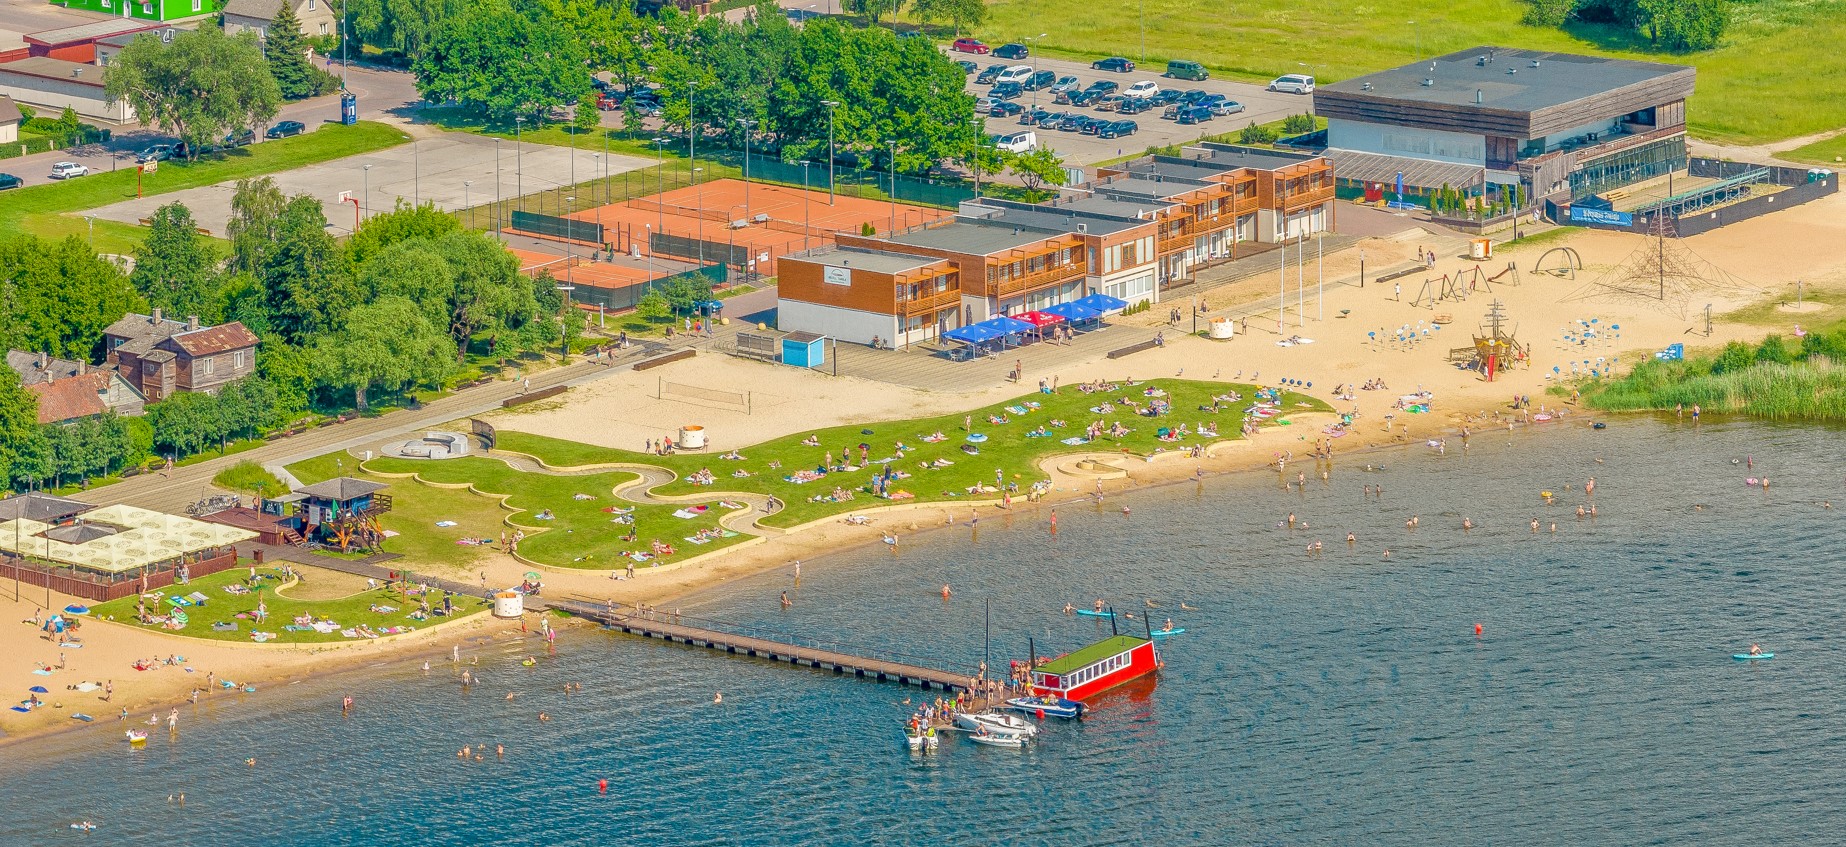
92	222
1035	68
660	176
467	184
368	191
830	106
893	187
746	123
692	149
519	163
416	172
497	185
976	157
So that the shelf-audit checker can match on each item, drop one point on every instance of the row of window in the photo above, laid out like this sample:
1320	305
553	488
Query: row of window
1033	265
1113	663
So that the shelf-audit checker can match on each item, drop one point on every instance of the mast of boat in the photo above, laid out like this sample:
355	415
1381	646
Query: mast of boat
1112	629
987	632
1031	659
1149	621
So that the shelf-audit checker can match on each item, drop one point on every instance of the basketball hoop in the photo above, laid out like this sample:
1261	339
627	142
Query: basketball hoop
345	197
150	166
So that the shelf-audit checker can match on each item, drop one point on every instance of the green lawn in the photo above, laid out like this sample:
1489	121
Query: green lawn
580	533
45	210
1829	152
250	478
1778	75
223	607
1007	449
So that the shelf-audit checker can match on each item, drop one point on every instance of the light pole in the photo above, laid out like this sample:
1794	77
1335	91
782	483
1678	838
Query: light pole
467	184
416	172
368	192
692	149
497	185
660	175
92	222
571	130
977	155
893	188
596	165
1142	14
746	123
519	163
570	254
830	105
701	194
1035	69
1416	35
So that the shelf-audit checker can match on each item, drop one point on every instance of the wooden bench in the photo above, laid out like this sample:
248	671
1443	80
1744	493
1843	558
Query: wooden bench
1132	349
661	360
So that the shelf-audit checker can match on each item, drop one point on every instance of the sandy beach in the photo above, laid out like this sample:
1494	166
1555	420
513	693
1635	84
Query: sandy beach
1546	312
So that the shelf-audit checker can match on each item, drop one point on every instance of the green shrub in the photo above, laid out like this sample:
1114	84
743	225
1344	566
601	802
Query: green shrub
250	478
1254	134
1298	124
1735	357
1774	351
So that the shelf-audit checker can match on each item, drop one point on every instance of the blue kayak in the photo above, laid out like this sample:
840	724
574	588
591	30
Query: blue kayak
1162	633
1089	613
1745	657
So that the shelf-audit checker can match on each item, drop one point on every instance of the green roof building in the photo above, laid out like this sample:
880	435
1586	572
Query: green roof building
149	10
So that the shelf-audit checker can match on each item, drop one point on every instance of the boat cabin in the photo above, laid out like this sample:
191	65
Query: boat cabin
1099	667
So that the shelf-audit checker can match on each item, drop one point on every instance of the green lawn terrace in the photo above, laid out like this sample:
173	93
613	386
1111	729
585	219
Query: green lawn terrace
231	597
571	520
1007	437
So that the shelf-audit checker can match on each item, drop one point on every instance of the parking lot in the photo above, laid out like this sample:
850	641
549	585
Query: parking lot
1260	106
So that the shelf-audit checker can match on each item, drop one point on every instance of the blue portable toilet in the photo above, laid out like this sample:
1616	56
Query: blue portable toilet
804	349
349	108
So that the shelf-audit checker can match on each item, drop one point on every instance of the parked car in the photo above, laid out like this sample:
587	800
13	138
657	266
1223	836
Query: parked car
910	33
967	67
1193	115
239	138
1117	129
1101	87
645	103
1135	105
1006	91
1166	97
1012	51
1075	123
608	102
9	181
1092	126
285	129
1225	107
1033	117
1144	88
1114	63
1194	95
156	153
984	104
1004	109
1024	141
1040	79
1110	102
970	45
68	170
988	74
1066	83
1015	74
1053	120
1183	69
1293	84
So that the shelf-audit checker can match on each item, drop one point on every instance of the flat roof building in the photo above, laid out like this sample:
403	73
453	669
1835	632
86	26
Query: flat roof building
1494	116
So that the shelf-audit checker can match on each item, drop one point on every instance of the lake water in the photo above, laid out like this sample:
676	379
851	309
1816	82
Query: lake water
1343	699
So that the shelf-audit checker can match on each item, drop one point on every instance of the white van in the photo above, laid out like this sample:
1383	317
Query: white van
1017	142
1017	74
1293	84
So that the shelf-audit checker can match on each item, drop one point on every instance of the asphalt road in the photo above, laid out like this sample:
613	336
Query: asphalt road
384	95
1260	106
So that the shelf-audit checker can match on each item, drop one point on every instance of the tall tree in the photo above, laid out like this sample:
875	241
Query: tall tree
306	284
199	86
401	25
504	62
489	294
18	424
1686	25
57	297
256	206
176	268
1037	169
287	52
387	345
404	223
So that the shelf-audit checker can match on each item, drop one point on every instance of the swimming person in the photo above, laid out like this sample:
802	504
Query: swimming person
785	601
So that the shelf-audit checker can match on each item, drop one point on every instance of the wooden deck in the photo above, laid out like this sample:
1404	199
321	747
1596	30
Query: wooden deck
839	663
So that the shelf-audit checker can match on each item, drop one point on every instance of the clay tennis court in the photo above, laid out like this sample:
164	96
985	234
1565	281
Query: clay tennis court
714	221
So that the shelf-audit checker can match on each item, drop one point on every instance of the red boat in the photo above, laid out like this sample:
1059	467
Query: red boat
1082	674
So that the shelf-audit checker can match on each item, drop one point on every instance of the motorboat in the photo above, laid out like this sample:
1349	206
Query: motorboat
1051	707
994	739
921	740
997	723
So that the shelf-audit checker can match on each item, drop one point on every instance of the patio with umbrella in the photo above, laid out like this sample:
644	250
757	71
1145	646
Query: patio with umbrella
972	334
1073	312
1102	303
1006	325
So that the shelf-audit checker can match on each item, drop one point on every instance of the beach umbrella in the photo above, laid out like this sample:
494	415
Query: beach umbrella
38	689
531	574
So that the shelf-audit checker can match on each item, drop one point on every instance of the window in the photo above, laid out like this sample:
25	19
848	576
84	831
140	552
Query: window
310	5
206	363
198	5
323	29
237	360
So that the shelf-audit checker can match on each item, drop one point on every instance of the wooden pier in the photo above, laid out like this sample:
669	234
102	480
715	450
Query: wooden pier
839	663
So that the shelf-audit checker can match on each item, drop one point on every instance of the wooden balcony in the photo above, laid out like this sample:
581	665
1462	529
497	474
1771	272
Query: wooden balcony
1048	277
929	304
1311	197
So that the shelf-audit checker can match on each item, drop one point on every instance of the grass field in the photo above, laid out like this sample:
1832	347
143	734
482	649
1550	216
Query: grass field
1779	73
248	477
1830	152
1007	449
354	606
46	210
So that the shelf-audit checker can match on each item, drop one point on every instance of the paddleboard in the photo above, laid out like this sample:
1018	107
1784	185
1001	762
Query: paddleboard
1158	633
1745	657
79	716
1088	613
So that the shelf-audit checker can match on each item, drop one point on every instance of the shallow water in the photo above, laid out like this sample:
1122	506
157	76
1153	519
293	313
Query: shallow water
1335	700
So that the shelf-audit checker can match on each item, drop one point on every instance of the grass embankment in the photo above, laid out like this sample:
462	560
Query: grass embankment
45	210
1778	74
349	604
579	534
248	477
1007	448
1776	379
1829	151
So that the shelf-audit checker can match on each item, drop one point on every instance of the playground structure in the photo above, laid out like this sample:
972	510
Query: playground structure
1665	273
1561	262
1462	284
1495	346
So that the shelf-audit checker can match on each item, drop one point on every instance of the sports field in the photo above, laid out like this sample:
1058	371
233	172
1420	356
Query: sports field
729	217
1779	73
